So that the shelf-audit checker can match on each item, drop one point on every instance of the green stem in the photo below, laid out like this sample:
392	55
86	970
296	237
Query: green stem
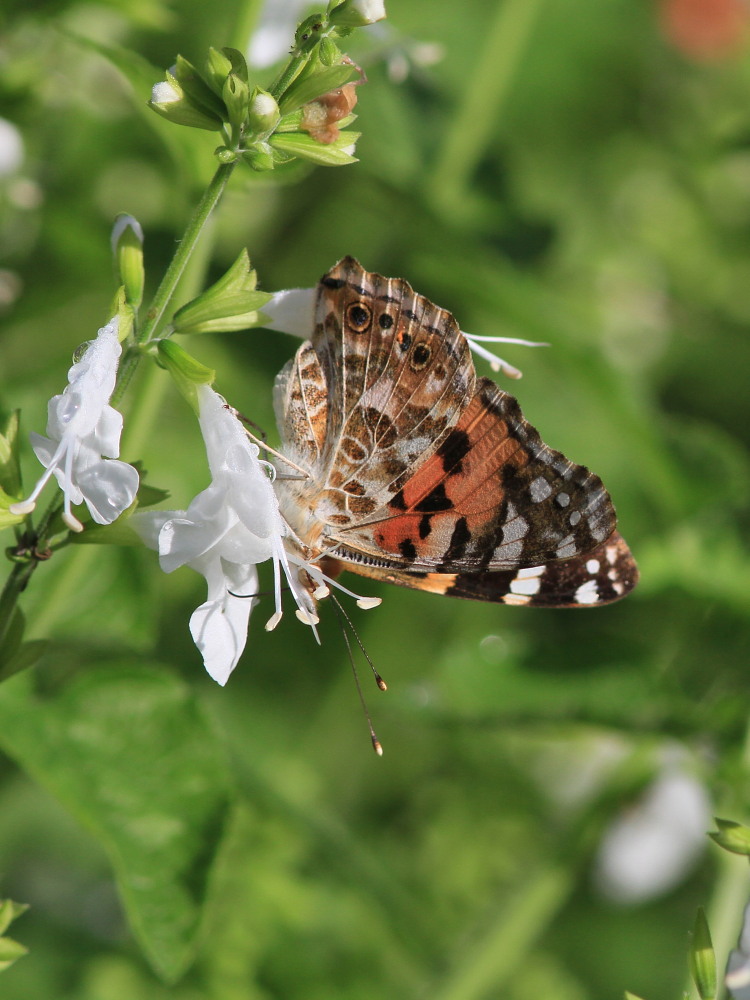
174	272
476	120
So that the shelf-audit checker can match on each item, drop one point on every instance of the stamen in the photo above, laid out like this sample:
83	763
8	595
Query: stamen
497	363
72	521
22	507
307	617
273	621
320	577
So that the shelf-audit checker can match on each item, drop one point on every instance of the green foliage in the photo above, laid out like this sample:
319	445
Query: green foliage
562	174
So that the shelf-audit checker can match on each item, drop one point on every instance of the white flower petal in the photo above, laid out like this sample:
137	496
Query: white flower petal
108	487
219	626
292	311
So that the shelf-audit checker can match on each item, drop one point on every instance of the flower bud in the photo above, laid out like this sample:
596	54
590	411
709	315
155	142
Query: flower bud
169	100
235	94
732	836
10	469
260	157
357	13
186	370
231	303
127	246
702	959
263	114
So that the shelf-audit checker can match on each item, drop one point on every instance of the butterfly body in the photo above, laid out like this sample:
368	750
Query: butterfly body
420	473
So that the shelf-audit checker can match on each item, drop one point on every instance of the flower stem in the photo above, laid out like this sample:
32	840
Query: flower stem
174	272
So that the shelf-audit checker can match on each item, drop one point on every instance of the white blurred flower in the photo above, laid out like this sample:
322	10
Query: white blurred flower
274	35
165	93
82	428
292	310
11	148
649	849
226	531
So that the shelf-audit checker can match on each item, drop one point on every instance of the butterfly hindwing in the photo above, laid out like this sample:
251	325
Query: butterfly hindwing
602	576
492	497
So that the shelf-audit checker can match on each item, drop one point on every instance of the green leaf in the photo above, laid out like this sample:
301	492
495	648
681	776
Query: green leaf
25	656
129	752
702	959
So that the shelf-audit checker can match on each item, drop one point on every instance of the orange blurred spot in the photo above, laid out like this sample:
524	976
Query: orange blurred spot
705	29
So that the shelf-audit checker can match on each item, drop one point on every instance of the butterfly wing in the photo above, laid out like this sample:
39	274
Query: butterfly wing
419	470
602	576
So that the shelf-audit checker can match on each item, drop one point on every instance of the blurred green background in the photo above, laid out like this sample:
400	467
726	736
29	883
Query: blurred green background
572	171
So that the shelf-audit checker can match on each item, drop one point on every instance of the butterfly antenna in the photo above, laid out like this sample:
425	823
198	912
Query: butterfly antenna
378	679
260	440
376	744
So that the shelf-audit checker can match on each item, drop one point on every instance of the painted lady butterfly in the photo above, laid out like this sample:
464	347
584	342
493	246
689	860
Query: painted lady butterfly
420	473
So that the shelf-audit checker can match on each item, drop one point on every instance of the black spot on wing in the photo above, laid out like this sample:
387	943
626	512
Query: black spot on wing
453	450
397	501
459	540
434	501
425	526
407	549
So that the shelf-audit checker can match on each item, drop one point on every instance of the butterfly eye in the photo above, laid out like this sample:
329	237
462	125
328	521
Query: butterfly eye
358	317
420	357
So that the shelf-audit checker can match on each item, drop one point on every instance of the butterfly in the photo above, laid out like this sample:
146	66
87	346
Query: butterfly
418	472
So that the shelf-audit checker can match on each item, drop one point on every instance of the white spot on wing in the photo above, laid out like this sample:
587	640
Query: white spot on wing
528	586
563	499
530	571
587	593
592	566
539	489
574	518
516	599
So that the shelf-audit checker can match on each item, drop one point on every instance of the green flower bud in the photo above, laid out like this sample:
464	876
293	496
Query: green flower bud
357	13
222	62
329	52
263	114
732	836
10	468
127	246
235	94
169	100
231	303
186	370
702	959
199	92
335	154
260	157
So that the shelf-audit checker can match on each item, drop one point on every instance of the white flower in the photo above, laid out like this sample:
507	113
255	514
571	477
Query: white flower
82	428
226	531
293	311
275	31
649	849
